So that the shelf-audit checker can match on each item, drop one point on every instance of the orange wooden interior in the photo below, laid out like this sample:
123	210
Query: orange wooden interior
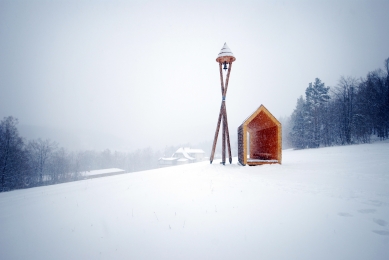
263	144
263	138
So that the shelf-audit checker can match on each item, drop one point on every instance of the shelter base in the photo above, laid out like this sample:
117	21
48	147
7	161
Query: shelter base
252	162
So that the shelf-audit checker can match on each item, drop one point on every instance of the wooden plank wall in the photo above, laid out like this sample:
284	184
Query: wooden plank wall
241	152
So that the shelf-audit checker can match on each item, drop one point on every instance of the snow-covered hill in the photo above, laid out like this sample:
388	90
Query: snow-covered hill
328	203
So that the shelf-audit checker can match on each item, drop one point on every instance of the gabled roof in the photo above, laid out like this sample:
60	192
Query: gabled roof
167	159
261	109
189	150
184	152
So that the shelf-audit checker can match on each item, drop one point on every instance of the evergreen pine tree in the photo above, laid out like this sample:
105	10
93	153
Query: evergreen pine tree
298	133
316	96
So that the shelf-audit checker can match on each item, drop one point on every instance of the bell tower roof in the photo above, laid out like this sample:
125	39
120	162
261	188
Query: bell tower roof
225	54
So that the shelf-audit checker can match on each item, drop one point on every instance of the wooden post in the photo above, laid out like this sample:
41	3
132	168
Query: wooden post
216	134
221	77
228	135
227	79
224	138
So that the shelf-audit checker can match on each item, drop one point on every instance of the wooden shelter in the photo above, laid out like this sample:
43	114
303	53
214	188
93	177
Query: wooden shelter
260	139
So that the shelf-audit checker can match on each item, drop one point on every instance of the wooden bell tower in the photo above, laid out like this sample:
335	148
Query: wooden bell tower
225	59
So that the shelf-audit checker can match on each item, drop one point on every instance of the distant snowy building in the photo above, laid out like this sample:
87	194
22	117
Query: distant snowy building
191	154
182	156
164	161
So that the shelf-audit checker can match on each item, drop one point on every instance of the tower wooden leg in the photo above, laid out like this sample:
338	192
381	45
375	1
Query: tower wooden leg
228	134
216	134
224	138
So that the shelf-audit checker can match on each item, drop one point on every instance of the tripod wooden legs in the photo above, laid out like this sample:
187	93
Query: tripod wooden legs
226	135
223	116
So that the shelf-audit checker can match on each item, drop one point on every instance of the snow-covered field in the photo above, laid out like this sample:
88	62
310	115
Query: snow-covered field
327	203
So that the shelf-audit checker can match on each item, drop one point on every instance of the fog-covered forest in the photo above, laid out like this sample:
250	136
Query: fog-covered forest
351	112
42	162
38	162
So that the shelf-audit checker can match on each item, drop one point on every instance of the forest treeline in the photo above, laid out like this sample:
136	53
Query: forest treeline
351	112
42	162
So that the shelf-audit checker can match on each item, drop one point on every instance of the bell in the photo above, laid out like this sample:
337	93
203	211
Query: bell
225	65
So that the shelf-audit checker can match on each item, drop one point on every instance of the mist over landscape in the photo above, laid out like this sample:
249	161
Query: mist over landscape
127	75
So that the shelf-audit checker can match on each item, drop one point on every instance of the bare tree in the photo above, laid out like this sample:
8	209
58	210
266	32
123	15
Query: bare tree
59	165
40	151
345	93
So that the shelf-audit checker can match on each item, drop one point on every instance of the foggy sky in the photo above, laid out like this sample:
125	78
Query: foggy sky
144	72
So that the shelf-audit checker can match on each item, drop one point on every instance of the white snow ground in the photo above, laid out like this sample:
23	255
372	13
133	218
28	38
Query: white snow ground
328	203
